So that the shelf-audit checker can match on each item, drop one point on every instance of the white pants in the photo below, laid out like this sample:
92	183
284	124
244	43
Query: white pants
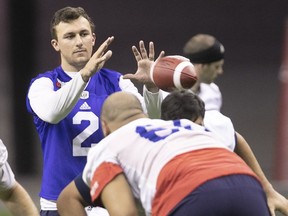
96	211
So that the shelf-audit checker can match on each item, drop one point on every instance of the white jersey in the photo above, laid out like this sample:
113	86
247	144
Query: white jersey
222	125
214	120
141	148
211	95
7	179
96	211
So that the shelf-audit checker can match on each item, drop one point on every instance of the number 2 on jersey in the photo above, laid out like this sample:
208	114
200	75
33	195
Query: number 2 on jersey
78	150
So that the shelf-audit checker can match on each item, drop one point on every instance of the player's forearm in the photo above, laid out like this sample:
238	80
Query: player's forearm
152	87
246	153
275	200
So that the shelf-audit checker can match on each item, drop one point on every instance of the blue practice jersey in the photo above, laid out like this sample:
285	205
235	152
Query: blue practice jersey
65	145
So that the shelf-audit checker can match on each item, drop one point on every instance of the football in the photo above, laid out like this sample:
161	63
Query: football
173	72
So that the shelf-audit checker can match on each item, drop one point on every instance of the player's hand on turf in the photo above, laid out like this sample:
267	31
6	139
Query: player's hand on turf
277	202
97	60
144	63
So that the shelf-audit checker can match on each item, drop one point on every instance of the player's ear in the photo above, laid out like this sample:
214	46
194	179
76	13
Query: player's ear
199	121
198	67
93	38
105	128
54	44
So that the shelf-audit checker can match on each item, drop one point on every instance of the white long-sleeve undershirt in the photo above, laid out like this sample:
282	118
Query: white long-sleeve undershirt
53	106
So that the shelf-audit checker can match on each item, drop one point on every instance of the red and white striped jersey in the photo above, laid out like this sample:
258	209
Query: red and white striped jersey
159	157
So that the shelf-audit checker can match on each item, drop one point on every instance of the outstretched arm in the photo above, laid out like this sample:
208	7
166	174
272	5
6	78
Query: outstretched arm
18	201
53	106
152	96
275	200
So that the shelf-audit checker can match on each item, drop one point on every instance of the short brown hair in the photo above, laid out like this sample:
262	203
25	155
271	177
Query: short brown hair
66	15
198	43
182	104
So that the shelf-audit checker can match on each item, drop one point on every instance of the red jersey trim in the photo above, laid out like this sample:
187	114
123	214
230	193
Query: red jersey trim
105	173
187	171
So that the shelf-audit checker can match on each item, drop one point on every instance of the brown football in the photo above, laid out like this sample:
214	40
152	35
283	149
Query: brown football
173	72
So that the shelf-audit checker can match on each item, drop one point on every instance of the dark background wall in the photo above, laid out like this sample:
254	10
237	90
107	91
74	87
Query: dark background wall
251	31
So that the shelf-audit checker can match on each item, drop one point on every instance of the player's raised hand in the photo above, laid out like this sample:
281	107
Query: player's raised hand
97	60
144	63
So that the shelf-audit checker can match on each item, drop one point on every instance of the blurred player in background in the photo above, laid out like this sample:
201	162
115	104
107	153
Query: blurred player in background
177	167
12	194
207	55
66	101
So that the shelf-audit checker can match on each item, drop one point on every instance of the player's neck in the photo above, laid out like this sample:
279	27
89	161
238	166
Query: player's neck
117	124
71	68
196	87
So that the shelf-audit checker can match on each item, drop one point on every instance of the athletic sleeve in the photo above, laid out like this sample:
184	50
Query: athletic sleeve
153	102
53	106
7	178
3	154
222	126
